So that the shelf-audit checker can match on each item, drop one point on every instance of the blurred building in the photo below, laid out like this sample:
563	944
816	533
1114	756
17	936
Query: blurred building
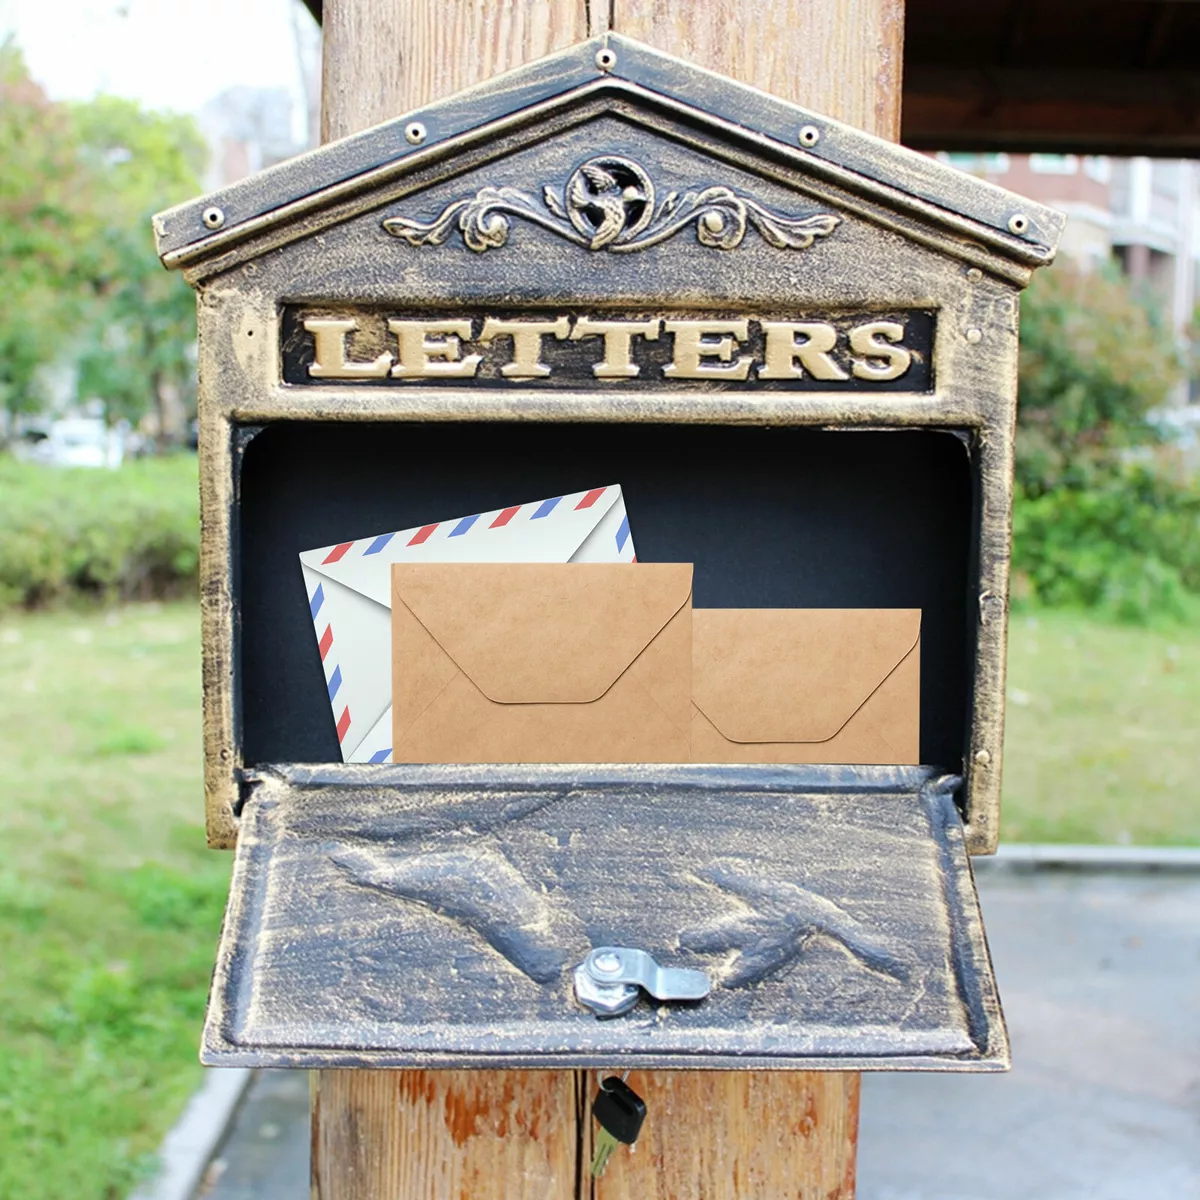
247	129
1142	212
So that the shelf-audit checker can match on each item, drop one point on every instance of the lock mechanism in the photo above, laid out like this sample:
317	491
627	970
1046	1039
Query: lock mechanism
610	980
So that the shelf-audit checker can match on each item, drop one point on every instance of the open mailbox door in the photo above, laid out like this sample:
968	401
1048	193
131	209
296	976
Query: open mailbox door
419	916
793	347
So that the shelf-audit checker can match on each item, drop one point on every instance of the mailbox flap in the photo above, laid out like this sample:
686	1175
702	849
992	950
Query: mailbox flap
425	915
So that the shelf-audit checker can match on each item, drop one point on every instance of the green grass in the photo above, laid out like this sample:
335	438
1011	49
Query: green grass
1103	735
110	904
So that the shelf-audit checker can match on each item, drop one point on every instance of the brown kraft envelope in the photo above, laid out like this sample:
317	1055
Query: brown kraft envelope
541	662
806	685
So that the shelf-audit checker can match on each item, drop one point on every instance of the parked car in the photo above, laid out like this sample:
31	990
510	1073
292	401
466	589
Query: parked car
75	442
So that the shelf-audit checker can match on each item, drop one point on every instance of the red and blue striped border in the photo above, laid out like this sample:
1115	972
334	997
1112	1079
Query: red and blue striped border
540	509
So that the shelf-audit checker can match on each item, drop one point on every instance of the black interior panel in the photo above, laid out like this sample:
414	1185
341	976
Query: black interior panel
770	517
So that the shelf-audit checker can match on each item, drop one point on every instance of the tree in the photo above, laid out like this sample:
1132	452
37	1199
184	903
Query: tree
139	328
1095	364
81	283
1099	520
38	183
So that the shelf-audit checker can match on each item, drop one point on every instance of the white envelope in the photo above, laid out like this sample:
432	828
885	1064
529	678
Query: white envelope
350	591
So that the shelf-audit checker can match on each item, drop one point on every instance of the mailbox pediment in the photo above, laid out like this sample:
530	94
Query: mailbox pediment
642	88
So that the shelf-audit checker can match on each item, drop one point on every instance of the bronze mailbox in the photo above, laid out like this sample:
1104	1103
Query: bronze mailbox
794	348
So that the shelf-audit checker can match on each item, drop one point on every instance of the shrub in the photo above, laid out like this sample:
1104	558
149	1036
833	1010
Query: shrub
1093	526
1095	364
1127	545
128	534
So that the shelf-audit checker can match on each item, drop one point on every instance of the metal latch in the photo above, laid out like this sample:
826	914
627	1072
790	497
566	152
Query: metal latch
609	980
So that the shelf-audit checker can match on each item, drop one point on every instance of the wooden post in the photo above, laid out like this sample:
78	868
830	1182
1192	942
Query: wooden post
507	1135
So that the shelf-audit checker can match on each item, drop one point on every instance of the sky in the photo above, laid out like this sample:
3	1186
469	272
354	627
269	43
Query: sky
172	54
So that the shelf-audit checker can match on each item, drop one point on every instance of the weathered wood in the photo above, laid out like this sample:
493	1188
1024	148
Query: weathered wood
840	57
843	58
713	1134
415	1134
453	1135
381	57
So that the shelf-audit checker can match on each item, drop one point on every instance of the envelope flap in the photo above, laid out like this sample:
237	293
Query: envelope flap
794	674
544	633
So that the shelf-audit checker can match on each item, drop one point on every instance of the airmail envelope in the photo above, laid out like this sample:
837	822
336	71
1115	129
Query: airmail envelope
806	685
576	662
350	591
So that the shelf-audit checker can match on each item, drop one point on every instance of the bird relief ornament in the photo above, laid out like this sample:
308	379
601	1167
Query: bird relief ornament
609	203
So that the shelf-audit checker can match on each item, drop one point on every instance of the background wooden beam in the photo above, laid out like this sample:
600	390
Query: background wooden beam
1098	112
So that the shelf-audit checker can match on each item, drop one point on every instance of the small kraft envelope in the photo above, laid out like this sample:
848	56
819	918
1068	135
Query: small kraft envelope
807	685
539	662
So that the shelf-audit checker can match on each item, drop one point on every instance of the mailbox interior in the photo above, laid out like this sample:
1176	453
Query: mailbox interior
775	517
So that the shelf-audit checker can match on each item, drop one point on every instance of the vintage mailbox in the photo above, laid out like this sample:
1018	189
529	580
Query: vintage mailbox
608	306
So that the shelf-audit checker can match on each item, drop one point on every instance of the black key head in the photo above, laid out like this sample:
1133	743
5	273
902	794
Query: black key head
619	1109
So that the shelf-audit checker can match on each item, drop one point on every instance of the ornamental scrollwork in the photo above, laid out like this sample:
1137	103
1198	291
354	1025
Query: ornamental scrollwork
609	203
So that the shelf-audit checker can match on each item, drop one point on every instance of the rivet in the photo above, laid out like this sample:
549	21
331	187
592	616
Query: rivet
974	336
415	133
608	963
213	218
606	59
974	274
982	758
810	135
1018	223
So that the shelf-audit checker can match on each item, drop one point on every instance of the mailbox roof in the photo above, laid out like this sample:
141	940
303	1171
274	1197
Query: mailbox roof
1020	228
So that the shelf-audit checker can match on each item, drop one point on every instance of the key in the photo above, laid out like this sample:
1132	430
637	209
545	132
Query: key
620	1112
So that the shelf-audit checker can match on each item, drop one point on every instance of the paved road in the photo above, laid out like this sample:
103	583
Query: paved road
1100	977
1100	980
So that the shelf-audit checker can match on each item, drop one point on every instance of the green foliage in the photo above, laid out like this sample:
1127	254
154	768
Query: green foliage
139	329
131	533
1093	527
116	1015
1095	363
39	183
1128	545
82	284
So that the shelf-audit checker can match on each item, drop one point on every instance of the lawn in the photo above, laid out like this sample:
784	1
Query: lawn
1103	734
110	904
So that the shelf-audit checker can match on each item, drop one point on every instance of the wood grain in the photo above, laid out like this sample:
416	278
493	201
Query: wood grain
711	1135
386	1135
410	1135
842	58
384	57
453	1135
